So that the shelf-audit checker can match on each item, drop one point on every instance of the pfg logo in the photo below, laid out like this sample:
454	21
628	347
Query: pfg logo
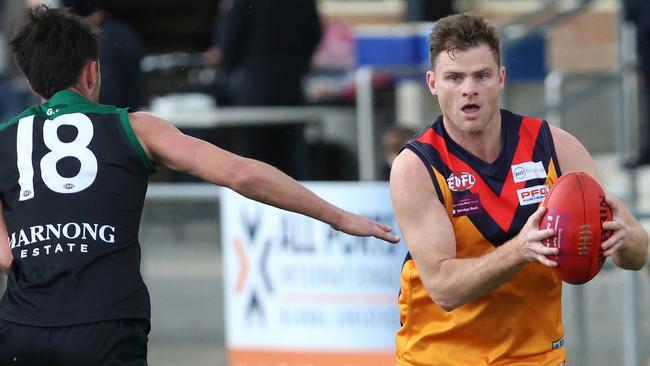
461	181
532	195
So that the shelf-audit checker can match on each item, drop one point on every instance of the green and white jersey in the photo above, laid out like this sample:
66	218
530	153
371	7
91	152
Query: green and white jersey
73	177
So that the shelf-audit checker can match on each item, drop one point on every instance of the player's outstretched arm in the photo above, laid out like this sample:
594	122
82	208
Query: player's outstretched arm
430	238
5	252
628	244
166	145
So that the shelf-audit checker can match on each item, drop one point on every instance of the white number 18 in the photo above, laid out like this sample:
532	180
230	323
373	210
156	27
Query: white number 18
78	149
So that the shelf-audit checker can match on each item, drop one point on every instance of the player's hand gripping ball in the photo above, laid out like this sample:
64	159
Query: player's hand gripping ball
576	210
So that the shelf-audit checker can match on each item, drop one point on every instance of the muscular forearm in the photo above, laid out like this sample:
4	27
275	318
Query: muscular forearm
459	281
264	183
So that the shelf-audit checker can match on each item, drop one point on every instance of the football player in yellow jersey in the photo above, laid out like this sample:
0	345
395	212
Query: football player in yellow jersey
477	287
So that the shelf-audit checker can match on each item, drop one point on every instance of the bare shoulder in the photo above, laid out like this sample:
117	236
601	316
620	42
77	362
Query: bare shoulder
408	169
151	130
561	137
410	182
142	121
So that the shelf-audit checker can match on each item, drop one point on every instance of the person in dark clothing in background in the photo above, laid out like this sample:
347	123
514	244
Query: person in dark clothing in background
266	48
120	52
638	12
427	10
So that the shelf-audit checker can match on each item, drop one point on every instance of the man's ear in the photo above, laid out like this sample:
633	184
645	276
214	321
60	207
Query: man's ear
91	74
431	82
502	77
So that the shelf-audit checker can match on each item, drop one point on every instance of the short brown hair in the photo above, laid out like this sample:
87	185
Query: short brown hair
461	32
51	49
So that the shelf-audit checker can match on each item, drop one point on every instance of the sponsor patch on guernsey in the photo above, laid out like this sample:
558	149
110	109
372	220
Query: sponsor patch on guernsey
528	170
461	181
530	195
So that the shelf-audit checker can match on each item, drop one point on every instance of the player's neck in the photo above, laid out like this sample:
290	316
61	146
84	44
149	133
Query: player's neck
76	90
484	144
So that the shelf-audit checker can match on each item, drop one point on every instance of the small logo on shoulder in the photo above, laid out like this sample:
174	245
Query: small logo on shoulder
461	181
559	343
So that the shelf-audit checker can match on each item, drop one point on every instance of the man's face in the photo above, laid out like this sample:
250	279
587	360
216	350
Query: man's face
467	83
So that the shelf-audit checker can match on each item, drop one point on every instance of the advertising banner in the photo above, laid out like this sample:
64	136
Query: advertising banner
298	293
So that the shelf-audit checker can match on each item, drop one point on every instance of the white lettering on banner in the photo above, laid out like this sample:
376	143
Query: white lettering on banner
536	194
288	277
527	171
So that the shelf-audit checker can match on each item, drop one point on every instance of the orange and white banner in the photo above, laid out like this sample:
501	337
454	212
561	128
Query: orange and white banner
256	357
298	293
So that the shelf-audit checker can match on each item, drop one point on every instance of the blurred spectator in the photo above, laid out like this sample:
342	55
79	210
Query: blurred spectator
120	52
220	88
427	10
15	94
638	12
266	48
393	140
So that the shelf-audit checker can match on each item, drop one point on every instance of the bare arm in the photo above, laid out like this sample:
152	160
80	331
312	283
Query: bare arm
166	145
429	235
628	245
5	253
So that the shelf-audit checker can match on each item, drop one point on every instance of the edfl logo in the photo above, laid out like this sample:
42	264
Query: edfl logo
461	181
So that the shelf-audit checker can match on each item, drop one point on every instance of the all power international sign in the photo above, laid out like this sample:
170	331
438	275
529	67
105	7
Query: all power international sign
298	293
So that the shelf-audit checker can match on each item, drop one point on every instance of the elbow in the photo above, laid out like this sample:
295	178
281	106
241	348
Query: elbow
445	301
638	264
4	265
633	260
441	294
6	258
445	304
635	264
244	177
641	262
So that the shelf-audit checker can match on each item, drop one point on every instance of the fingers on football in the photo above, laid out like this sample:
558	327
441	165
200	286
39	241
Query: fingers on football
537	215
540	235
611	245
613	248
612	225
541	249
544	260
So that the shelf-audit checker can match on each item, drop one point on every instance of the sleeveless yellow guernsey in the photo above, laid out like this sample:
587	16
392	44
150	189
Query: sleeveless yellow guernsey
519	323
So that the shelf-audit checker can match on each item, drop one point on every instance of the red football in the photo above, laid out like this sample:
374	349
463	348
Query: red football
576	209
